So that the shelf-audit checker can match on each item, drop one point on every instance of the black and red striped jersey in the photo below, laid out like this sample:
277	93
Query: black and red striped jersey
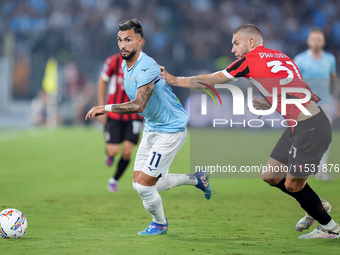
112	72
267	69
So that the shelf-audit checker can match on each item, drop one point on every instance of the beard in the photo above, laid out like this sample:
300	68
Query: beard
131	55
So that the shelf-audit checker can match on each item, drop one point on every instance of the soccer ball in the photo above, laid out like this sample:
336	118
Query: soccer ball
13	223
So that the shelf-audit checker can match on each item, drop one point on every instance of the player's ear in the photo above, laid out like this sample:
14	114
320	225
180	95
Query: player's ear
252	43
141	42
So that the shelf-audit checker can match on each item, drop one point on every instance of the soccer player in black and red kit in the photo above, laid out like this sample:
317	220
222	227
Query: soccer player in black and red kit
119	128
301	146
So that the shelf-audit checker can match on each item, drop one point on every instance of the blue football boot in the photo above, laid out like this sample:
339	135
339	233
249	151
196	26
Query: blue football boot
203	183
155	229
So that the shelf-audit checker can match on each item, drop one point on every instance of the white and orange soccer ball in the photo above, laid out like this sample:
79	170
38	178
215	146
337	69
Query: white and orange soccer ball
13	223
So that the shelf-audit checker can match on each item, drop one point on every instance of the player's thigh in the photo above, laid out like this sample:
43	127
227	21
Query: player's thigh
147	180
127	149
136	175
112	149
144	179
274	171
162	153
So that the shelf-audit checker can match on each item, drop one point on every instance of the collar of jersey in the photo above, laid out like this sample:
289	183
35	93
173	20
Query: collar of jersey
260	46
309	52
140	55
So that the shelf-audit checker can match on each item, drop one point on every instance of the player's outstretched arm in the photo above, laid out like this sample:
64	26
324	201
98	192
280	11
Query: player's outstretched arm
95	111
261	104
137	105
102	88
198	81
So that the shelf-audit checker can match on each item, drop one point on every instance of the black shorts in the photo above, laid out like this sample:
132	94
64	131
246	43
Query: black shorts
117	131
303	149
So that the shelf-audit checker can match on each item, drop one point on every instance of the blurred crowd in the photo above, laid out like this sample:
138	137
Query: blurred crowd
187	36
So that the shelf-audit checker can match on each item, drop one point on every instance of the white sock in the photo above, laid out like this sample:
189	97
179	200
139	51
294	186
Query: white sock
113	180
152	202
174	180
330	225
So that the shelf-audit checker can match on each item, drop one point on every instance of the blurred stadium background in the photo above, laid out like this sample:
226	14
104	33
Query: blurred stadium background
61	187
187	36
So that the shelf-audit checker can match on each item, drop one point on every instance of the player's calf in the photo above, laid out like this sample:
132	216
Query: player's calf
152	202
307	221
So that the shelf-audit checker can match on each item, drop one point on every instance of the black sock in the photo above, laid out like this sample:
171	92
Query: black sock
122	165
281	186
309	201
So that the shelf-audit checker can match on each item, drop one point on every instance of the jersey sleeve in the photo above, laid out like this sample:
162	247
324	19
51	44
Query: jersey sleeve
109	68
298	60
147	73
237	69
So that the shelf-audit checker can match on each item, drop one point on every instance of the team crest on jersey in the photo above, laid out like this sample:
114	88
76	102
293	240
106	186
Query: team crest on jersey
134	80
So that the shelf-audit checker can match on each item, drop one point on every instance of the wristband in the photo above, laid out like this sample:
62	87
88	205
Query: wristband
108	107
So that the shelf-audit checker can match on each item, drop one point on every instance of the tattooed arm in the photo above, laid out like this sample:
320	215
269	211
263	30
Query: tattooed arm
137	105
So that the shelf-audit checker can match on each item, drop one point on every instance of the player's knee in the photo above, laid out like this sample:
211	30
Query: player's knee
145	191
149	195
293	186
271	181
126	155
112	152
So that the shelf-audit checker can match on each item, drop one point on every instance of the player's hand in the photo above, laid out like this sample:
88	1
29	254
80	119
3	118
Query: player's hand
95	111
169	79
260	104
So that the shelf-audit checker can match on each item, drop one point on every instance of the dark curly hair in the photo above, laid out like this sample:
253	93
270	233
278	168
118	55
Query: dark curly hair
131	24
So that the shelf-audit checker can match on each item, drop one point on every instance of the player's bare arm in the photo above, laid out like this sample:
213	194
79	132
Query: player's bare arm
194	81
102	87
261	104
137	105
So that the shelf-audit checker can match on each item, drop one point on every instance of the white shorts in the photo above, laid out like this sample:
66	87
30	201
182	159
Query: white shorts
157	151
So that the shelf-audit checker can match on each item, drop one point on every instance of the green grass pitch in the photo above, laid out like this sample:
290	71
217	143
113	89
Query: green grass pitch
58	180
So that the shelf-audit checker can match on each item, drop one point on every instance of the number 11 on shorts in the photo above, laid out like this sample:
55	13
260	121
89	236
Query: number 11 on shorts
153	159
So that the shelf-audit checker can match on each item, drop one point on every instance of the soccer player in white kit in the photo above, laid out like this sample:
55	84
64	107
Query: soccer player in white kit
164	131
